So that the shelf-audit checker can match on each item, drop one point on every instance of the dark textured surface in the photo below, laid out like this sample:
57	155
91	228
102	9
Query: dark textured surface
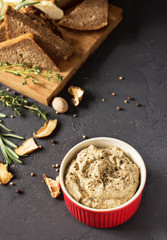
137	50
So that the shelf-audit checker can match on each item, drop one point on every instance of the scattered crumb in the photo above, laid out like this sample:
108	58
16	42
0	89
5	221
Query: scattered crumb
113	94
74	115
118	108
125	101
57	165
102	100
121	78
84	136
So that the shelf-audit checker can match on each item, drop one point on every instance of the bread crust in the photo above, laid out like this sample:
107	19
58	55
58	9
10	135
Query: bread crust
55	46
65	21
27	36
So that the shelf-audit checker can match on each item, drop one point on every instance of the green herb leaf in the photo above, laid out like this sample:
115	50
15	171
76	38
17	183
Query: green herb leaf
12	135
3	149
24	3
59	77
8	142
7	129
2	115
7	152
2	9
16	103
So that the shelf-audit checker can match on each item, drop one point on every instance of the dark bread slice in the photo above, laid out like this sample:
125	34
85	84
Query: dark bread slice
89	15
66	3
39	16
17	23
2	32
25	49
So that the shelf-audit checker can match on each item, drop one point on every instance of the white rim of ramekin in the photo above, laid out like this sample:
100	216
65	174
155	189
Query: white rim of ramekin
87	143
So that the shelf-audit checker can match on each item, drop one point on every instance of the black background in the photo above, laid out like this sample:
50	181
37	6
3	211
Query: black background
136	50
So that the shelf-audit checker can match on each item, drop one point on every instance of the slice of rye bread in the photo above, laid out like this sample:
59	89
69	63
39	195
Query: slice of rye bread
39	16
89	15
2	32
17	23
25	49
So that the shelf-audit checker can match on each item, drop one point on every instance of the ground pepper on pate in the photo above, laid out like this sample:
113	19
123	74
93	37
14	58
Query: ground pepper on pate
102	178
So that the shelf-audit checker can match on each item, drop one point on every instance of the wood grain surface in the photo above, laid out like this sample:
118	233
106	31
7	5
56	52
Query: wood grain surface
84	43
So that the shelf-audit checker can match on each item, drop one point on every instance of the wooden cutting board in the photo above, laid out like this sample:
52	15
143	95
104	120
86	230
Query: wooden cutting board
85	43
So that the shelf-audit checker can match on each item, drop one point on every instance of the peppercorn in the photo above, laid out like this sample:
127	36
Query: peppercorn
53	141
130	98
18	191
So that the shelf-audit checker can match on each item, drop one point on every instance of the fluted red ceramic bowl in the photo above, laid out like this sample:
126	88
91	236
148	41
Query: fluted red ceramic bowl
103	218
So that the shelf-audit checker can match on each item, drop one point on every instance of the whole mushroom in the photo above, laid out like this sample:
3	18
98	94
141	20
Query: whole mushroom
60	105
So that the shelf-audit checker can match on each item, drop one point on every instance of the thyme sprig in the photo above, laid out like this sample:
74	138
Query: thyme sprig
9	155
20	69
17	103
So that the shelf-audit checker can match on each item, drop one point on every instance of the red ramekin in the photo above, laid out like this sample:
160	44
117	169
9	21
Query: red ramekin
103	218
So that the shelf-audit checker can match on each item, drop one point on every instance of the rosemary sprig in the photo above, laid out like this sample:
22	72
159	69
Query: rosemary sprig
20	69
16	103
23	3
2	9
2	115
7	152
